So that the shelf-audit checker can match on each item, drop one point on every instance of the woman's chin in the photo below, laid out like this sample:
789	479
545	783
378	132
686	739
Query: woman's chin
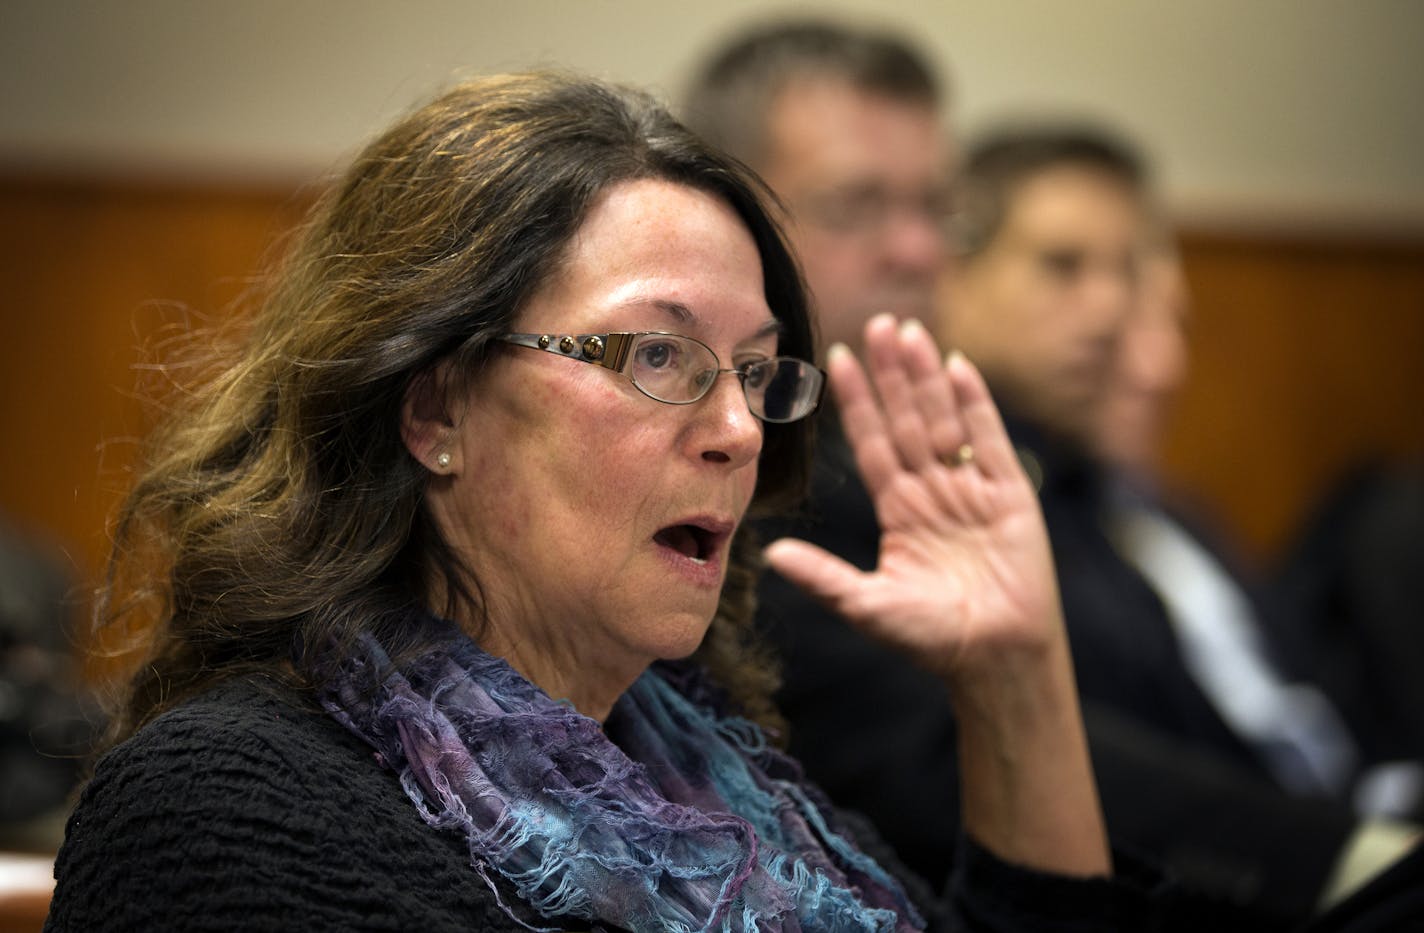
681	635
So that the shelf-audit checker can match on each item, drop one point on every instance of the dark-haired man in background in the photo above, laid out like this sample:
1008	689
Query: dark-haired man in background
846	128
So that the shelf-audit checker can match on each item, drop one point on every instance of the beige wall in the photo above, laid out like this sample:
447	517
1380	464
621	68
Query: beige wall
1268	111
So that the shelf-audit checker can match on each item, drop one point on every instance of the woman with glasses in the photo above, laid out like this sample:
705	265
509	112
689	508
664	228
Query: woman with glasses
445	585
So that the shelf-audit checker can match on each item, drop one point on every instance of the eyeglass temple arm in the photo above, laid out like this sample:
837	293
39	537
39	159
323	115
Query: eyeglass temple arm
607	350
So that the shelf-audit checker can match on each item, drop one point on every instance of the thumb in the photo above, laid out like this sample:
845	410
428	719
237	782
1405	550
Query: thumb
820	573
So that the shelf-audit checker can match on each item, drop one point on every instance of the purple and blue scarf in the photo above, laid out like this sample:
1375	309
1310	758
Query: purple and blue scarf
670	817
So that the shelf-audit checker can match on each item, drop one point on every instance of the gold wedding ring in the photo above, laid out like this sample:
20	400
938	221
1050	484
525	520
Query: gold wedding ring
961	457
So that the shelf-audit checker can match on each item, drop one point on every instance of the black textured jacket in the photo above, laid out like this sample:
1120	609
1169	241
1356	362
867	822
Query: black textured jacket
246	810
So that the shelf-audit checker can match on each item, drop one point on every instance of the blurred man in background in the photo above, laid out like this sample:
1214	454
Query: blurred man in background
1149	367
1065	300
846	128
1355	742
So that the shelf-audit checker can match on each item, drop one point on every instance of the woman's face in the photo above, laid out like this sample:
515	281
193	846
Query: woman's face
597	519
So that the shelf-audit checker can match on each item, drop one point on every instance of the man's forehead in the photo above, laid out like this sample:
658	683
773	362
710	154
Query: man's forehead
1064	196
832	132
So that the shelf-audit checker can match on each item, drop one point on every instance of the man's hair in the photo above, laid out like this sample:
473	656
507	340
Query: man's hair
730	96
997	164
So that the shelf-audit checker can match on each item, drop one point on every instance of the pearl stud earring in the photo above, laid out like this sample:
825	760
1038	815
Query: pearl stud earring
443	461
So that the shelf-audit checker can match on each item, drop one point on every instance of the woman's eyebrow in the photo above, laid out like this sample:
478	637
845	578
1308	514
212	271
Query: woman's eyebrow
685	315
772	328
677	309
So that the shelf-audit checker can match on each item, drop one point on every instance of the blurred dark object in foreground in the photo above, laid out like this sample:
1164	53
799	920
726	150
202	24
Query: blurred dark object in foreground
47	719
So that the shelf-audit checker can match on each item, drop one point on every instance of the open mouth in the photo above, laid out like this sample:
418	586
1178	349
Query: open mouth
692	541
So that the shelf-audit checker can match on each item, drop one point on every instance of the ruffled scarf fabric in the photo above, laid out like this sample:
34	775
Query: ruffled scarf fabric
689	822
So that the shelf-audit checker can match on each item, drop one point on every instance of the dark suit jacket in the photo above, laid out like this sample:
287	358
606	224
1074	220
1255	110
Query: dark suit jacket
879	735
1352	592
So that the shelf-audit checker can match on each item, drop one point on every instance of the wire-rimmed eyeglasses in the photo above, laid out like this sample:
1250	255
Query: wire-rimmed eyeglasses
680	370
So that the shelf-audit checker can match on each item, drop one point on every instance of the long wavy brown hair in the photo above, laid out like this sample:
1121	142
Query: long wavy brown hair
278	509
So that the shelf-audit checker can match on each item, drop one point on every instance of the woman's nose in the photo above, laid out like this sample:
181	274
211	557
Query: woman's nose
726	430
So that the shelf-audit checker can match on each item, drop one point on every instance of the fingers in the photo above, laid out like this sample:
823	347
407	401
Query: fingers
901	385
874	450
994	453
917	422
838	585
827	578
940	421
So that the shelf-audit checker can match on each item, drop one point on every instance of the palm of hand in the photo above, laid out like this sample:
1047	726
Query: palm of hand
964	567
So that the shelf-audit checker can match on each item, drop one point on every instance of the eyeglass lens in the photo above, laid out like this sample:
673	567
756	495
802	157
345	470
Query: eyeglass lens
671	368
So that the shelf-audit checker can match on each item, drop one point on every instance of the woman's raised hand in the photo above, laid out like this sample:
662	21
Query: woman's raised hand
965	583
965	571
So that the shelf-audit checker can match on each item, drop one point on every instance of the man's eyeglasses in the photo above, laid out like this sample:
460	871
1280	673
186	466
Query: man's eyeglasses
865	211
680	370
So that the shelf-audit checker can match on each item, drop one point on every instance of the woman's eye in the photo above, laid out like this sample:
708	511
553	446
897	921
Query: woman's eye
756	371
657	355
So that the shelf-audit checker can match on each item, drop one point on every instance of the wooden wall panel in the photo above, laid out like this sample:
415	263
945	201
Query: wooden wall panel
88	274
1308	359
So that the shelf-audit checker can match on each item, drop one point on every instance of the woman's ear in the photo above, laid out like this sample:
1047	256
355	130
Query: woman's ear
427	424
